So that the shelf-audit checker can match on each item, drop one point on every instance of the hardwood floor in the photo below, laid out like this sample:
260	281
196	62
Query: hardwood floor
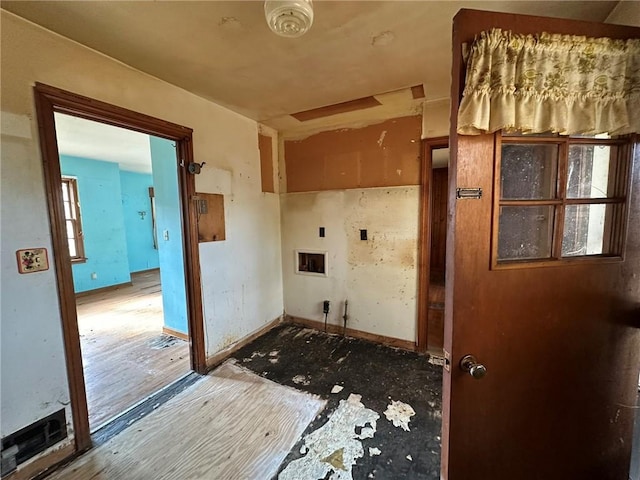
126	356
231	425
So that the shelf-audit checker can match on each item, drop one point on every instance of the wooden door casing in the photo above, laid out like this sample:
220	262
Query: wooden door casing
561	344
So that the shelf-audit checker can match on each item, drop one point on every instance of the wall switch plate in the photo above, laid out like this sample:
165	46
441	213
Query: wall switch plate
165	234
32	260
363	234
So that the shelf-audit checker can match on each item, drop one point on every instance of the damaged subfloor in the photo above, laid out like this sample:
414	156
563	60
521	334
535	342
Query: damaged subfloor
383	414
295	404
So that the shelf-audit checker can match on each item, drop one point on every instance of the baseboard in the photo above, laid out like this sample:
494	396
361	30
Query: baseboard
175	333
351	332
49	461
103	289
142	272
219	357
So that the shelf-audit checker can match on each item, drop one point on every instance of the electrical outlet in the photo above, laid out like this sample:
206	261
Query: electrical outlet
94	275
165	234
32	260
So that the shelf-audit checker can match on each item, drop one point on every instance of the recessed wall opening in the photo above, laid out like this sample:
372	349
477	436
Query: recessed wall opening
311	263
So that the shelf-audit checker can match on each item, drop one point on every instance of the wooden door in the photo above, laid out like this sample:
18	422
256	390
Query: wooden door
560	343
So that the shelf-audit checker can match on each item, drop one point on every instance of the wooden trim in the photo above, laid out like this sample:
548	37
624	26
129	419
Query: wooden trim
175	333
424	236
104	289
343	107
62	261
219	357
49	100
351	332
91	109
47	463
618	186
142	272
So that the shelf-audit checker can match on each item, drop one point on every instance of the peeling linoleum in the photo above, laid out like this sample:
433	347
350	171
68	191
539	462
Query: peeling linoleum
361	432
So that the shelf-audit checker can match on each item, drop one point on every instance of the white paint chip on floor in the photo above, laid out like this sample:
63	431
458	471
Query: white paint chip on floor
399	414
410	458
301	380
336	389
232	424
334	447
374	451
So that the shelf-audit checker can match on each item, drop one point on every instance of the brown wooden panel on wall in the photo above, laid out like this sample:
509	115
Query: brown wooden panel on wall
210	209
382	155
266	162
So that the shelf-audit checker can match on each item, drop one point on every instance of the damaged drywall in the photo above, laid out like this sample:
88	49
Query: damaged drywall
334	448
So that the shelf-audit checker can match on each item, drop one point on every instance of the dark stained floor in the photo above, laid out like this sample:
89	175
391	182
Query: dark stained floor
319	361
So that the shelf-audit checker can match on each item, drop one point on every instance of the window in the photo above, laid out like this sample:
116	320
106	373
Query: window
72	219
559	198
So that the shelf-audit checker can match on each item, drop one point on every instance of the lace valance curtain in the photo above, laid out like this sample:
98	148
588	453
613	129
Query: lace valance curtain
551	83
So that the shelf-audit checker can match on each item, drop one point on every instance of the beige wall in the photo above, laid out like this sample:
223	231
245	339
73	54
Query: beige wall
325	175
241	276
435	118
378	276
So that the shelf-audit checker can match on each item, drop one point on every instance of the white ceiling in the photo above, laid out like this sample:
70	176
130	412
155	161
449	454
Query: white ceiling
224	51
97	141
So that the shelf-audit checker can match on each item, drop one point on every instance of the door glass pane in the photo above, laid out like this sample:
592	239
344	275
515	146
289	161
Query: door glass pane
587	230
590	170
525	232
67	210
528	171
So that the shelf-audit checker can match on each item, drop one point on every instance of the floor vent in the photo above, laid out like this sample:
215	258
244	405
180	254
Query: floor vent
29	441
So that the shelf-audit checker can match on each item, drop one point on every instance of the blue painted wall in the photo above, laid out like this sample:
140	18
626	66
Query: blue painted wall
105	241
139	231
169	225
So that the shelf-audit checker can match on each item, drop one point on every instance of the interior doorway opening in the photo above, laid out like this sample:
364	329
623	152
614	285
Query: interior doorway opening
175	141
433	244
124	231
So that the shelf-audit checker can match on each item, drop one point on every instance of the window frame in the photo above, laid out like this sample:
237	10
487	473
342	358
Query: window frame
559	202
74	206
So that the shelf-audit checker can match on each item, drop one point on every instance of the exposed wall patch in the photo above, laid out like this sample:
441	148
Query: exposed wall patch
381	139
327	111
399	413
417	91
334	448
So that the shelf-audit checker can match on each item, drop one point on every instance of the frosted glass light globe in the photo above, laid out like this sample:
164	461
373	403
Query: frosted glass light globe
289	18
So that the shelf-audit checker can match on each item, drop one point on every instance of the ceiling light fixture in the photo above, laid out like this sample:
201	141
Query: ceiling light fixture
289	18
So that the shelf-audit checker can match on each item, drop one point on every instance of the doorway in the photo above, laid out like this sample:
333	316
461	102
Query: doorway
432	246
120	188
51	101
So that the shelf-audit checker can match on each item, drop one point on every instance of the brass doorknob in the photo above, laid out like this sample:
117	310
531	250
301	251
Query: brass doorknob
470	365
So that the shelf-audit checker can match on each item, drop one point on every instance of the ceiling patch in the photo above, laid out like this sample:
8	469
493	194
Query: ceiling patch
350	106
417	91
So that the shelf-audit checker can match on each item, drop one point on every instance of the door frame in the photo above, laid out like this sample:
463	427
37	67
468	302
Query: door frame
424	235
49	100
